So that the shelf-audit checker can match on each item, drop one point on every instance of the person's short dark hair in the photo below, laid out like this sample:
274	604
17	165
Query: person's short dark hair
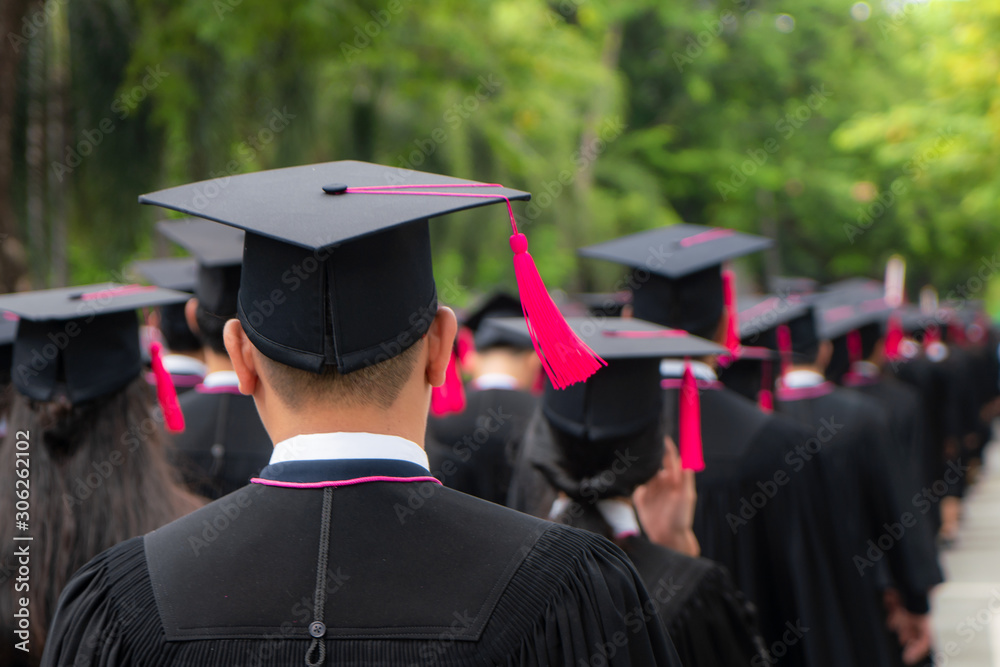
175	330
379	384
211	326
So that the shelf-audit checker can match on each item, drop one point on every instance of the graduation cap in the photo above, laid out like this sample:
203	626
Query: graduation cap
608	304
218	250
623	399
782	323
8	331
83	342
338	262
850	307
677	271
176	273
480	320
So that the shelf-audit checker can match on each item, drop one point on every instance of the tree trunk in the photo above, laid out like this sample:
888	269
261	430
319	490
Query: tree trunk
12	15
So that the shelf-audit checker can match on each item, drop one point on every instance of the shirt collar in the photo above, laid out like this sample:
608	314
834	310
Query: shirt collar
181	364
495	381
802	378
335	446
866	369
674	368
221	379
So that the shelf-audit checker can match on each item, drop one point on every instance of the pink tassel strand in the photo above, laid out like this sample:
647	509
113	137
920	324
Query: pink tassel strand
449	398
166	395
854	350
765	397
893	337
732	313
784	336
689	435
565	358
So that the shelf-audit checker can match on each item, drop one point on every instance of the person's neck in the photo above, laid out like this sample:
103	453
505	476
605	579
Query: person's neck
502	363
215	362
197	355
405	418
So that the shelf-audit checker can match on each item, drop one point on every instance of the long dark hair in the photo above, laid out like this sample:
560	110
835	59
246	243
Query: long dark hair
98	475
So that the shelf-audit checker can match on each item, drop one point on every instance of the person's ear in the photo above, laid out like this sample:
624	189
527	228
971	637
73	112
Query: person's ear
825	354
440	341
190	314
240	351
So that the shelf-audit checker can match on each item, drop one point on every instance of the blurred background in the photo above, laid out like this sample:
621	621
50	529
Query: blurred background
848	131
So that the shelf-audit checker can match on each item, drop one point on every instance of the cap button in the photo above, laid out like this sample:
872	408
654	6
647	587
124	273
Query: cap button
317	629
335	189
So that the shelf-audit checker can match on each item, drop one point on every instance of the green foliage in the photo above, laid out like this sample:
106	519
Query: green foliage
847	138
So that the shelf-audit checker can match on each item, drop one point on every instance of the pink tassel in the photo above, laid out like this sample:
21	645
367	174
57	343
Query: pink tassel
784	336
690	423
732	313
765	400
765	397
449	398
166	395
466	344
854	351
893	337
565	358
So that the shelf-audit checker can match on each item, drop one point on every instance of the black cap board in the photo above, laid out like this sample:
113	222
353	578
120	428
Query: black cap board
218	250
677	279
850	307
177	273
760	317
82	342
480	320
334	276
616	400
618	409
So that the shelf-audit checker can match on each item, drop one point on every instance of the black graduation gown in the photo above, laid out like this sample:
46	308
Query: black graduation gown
708	619
760	515
417	574
223	444
472	452
872	529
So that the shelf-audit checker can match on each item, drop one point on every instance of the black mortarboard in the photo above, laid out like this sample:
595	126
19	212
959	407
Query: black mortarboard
761	316
792	285
677	279
81	341
218	250
338	273
849	307
607	304
480	320
176	273
617	411
617	401
8	331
